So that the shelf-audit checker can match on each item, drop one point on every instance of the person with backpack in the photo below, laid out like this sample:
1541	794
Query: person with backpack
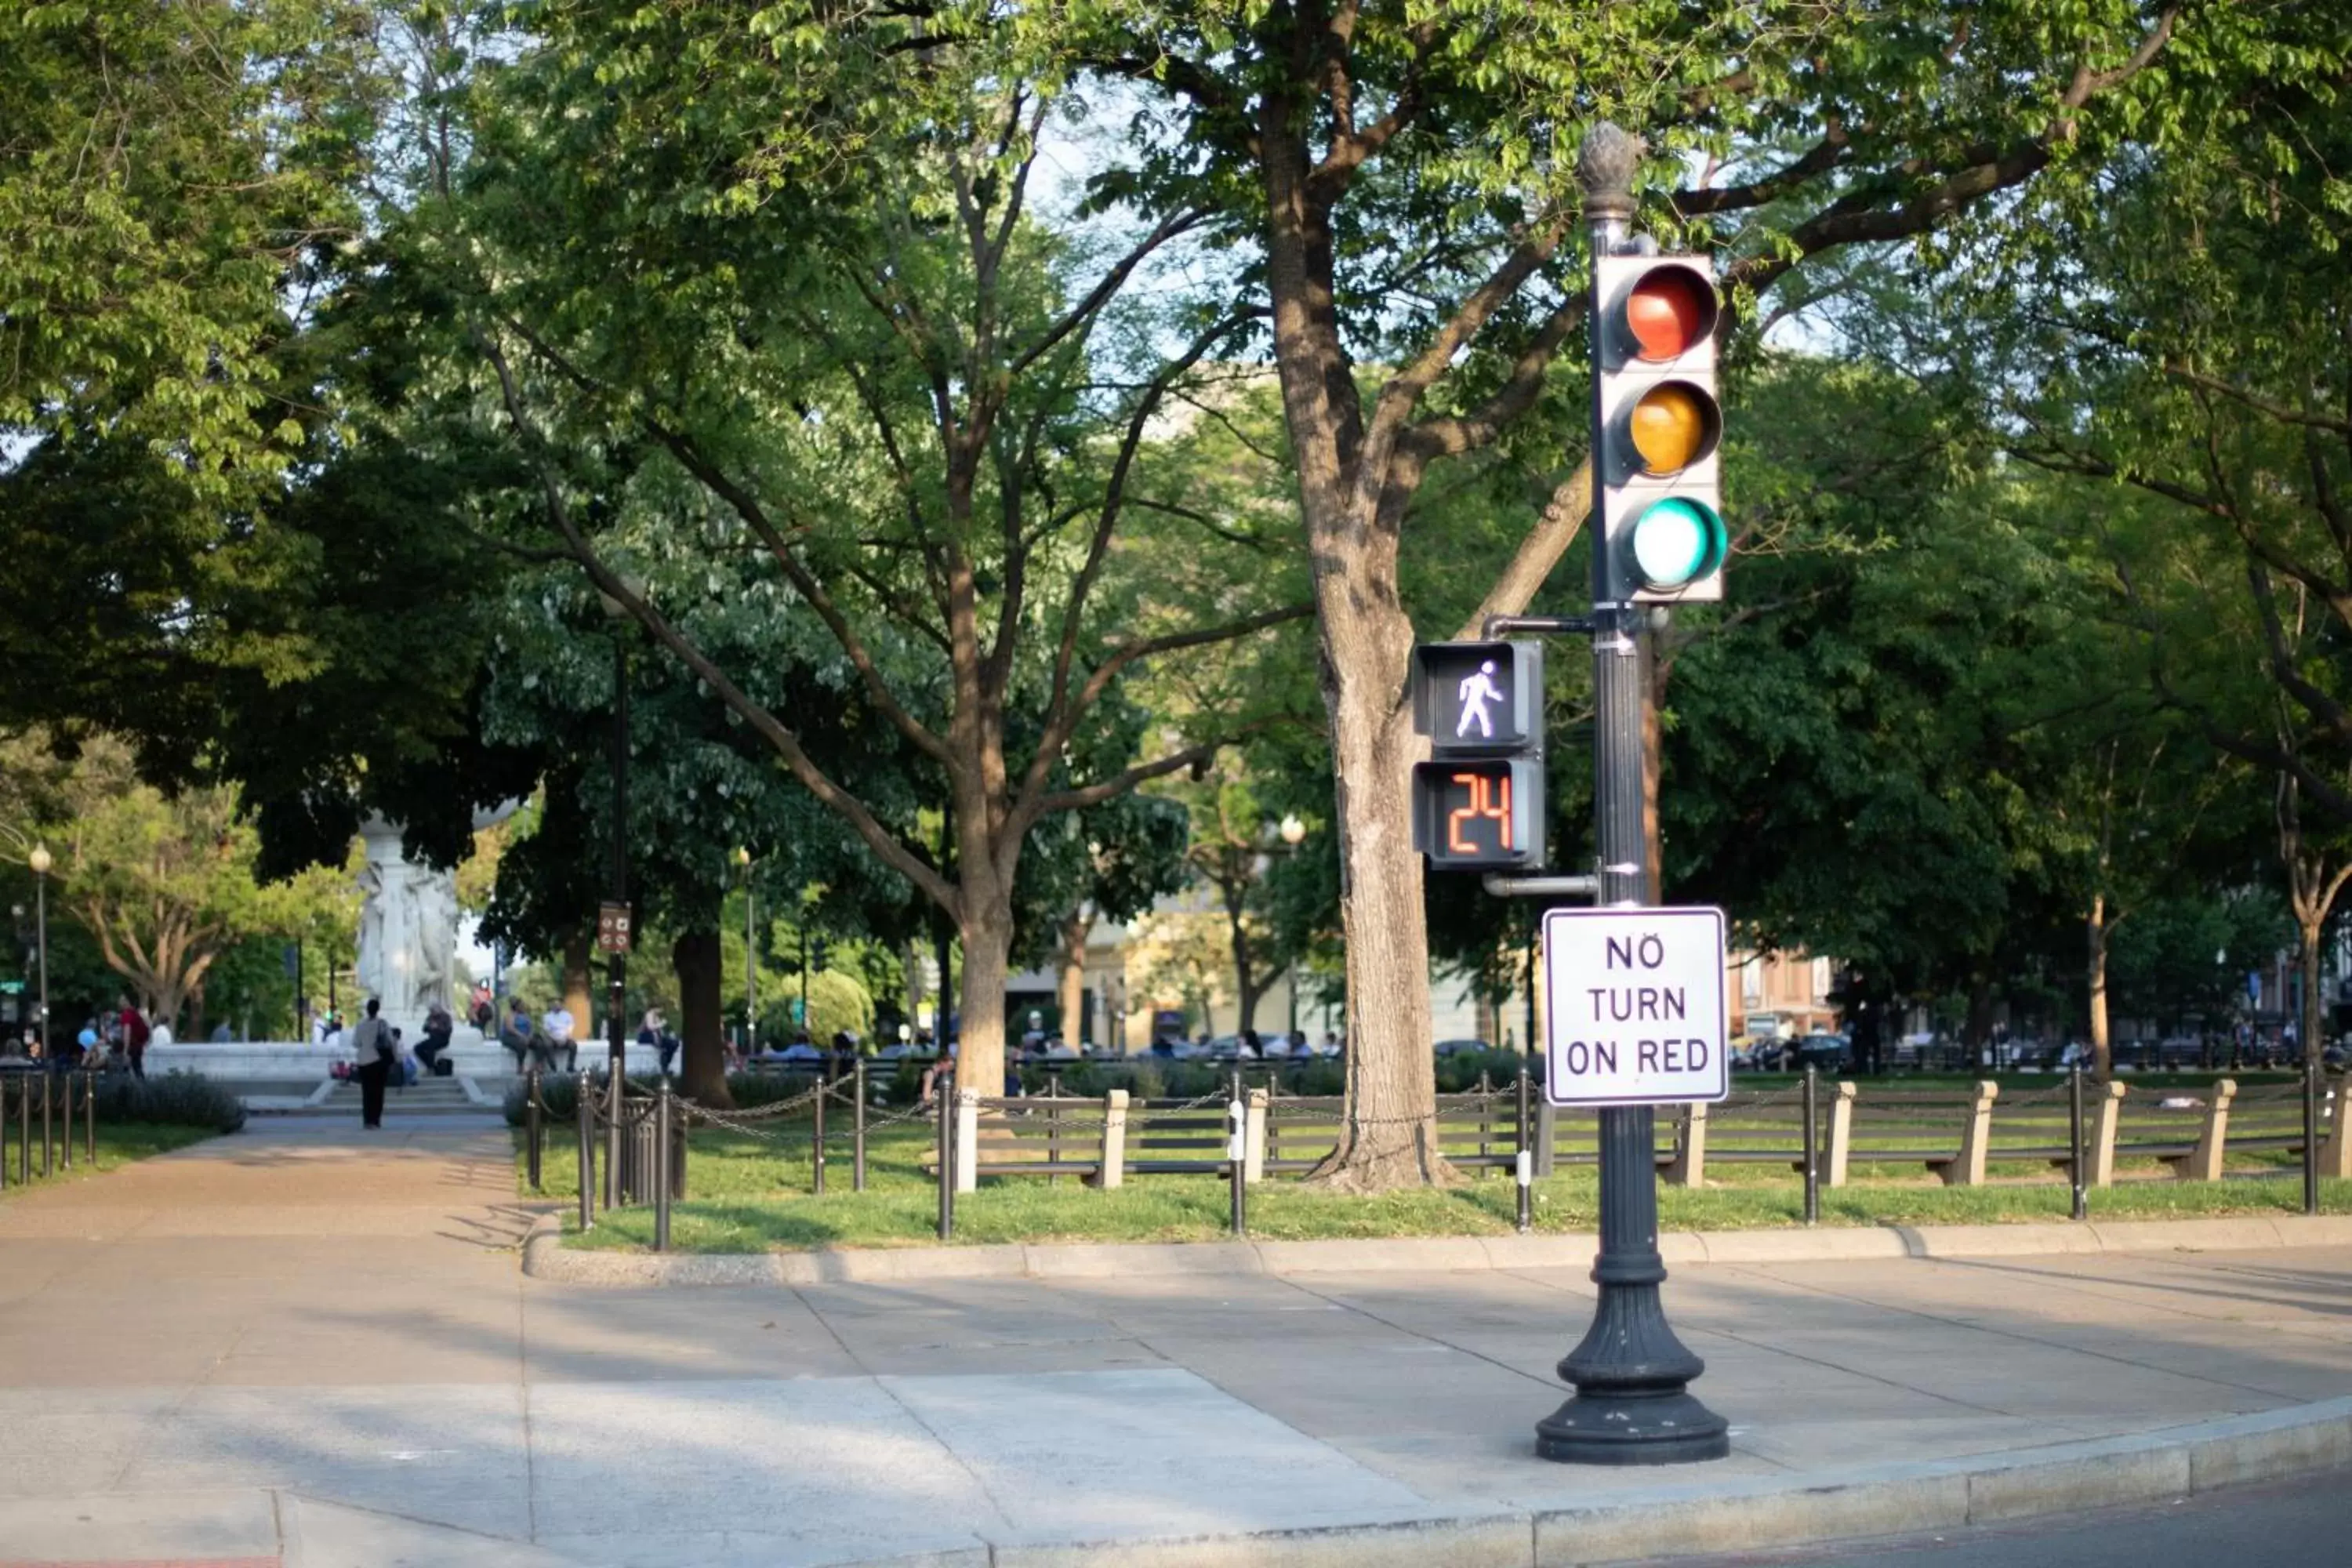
371	1043
438	1027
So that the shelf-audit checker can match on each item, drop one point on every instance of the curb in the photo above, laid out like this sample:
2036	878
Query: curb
1746	1515
545	1258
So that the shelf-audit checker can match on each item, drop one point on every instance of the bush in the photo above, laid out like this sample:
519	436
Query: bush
175	1099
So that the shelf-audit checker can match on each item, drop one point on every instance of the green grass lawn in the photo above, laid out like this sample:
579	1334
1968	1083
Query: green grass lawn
751	1194
118	1145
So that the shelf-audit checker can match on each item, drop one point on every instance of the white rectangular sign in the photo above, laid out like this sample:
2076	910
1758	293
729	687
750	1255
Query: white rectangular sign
1634	1007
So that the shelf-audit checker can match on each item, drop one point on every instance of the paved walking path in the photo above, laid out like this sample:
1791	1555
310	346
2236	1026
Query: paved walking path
309	1346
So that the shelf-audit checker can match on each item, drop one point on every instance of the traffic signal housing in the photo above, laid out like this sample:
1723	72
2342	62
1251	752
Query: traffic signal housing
1657	426
1478	805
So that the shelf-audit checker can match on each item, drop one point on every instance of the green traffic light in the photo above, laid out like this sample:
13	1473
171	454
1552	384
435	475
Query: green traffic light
1677	542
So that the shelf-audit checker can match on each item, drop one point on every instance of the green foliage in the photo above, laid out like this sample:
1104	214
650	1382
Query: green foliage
169	1099
164	885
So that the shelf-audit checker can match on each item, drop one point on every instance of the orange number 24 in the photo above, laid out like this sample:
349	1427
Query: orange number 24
1488	798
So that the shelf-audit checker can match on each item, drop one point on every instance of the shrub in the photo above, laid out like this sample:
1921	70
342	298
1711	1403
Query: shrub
175	1100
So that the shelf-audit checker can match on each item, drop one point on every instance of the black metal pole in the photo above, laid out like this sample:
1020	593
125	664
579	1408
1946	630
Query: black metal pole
65	1125
857	1127
617	964
2080	1178
816	1159
944	1087
41	936
1523	1172
1812	1144
662	1105
534	1129
583	1094
1632	1404
2311	1134
48	1138
89	1123
751	968
24	1097
1237	1145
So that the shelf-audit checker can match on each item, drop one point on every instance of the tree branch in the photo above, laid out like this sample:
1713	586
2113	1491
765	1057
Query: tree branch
879	838
1539	553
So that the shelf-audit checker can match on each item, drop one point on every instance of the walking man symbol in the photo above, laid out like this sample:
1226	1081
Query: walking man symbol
1476	690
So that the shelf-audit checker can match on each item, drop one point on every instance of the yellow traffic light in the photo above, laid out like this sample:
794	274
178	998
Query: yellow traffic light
1674	425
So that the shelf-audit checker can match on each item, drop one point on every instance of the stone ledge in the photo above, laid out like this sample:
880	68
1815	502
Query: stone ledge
545	1256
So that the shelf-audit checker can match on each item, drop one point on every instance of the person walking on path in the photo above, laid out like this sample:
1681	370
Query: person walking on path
372	1042
135	1038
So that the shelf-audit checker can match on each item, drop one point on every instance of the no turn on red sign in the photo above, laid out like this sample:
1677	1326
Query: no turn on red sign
1635	1009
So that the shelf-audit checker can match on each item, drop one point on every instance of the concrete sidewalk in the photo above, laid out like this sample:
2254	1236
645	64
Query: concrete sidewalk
302	1346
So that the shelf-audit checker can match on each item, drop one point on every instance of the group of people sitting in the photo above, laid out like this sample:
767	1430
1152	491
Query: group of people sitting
549	1043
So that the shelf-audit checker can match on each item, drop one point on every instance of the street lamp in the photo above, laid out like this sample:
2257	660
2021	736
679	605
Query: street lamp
1294	833
40	862
750	957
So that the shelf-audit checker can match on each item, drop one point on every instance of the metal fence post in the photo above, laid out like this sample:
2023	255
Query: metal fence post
583	1094
1486	1114
48	1137
89	1123
534	1128
616	1084
1236	1152
857	1127
1523	1166
24	1097
2078	1176
816	1144
65	1126
1813	1146
2311	1134
662	1104
943	1086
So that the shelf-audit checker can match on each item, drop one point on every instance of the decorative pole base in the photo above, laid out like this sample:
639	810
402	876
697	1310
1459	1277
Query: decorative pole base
1633	1429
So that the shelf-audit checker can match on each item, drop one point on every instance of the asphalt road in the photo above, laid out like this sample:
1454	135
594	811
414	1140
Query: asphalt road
2304	1523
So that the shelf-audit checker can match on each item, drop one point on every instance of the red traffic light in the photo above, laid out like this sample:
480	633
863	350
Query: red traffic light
1669	311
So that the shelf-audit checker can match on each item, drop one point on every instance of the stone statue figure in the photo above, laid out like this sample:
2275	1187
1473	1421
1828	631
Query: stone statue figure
408	930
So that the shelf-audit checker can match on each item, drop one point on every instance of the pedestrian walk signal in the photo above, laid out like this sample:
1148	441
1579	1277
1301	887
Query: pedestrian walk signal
1479	805
1656	430
1478	699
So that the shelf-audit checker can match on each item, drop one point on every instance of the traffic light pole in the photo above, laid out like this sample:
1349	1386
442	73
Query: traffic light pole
1632	1404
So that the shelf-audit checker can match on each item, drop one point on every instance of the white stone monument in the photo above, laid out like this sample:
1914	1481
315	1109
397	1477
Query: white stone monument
408	932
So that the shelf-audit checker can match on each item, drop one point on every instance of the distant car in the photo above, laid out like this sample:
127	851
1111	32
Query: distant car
1189	1050
1828	1053
1457	1047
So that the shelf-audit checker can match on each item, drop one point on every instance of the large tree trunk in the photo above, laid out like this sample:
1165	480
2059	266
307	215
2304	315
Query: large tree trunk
1389	1136
987	949
2098	929
1071	984
696	959
577	996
